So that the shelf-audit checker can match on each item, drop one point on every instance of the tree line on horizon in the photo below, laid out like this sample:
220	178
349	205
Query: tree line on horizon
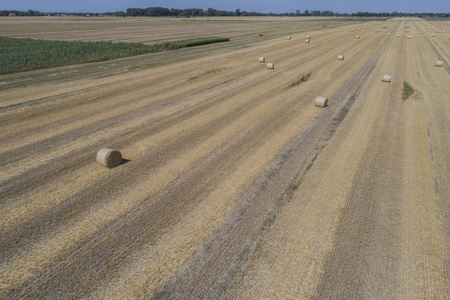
211	12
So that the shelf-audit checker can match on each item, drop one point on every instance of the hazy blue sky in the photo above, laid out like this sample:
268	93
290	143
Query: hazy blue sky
265	6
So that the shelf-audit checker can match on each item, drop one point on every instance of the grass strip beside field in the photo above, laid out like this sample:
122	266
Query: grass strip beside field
17	55
188	43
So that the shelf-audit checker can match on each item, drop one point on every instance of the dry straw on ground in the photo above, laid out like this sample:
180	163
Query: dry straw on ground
215	160
321	101
109	158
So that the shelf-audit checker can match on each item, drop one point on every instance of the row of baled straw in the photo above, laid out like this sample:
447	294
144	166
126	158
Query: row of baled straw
438	63
111	158
269	66
320	101
308	38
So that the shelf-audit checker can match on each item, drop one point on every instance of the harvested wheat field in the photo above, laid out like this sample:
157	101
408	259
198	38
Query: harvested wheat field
234	185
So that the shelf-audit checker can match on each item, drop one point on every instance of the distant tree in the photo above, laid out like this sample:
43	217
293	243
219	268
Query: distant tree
31	12
157	12
194	12
362	14
175	12
210	12
135	12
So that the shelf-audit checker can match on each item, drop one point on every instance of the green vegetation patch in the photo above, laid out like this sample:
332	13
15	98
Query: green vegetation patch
304	78
188	43
407	91
27	54
18	55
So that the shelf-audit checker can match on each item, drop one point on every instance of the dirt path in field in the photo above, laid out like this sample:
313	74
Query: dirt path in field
236	186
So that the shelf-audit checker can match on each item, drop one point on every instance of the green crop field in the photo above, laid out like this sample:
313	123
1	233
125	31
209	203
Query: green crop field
18	55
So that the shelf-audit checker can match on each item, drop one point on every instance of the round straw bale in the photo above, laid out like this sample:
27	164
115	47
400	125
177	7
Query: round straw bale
398	35
358	37
262	59
289	37
340	57
270	66
439	63
362	30
307	41
321	101
433	35
389	34
308	37
324	29
409	37
386	78
109	158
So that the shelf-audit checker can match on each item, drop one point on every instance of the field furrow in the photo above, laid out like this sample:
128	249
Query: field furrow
233	184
